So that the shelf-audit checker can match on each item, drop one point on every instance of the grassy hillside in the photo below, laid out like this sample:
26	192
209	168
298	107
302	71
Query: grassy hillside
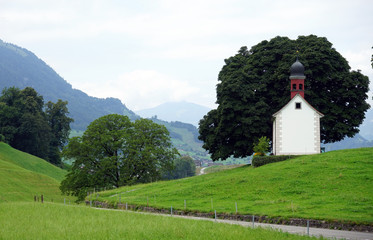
30	162
22	176
56	221
333	186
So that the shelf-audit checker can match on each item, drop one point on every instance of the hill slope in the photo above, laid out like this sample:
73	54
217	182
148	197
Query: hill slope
30	162
334	185
21	68
22	176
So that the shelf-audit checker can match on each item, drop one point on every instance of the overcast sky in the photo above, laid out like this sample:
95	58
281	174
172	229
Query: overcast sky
147	52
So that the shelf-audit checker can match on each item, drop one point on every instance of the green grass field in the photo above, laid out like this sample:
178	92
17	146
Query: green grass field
218	168
22	176
331	186
30	162
58	221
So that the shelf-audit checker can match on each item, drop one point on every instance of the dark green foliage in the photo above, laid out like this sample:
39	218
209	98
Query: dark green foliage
26	127
183	167
114	152
263	160
254	84
60	127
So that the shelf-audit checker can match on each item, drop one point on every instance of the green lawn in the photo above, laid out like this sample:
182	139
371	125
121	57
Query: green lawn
57	221
22	176
336	185
30	162
218	168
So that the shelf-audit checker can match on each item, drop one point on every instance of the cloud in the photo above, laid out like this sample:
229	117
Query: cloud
141	89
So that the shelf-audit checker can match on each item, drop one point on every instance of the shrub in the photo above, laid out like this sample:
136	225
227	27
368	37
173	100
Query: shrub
262	146
263	160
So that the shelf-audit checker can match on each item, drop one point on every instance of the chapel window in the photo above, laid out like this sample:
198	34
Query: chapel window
298	105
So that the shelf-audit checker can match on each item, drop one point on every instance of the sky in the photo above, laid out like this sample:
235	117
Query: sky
148	52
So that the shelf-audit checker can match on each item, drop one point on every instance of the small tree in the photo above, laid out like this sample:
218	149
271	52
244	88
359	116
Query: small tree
261	147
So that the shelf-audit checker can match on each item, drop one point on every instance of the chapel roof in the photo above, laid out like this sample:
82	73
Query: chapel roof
297	70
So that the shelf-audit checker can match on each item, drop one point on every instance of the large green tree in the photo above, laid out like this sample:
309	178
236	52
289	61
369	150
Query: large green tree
254	84
26	126
114	152
59	123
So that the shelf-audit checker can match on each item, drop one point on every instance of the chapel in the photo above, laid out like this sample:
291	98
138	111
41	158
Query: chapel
296	126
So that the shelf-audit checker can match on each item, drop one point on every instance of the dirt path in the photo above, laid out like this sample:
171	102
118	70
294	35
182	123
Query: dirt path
202	171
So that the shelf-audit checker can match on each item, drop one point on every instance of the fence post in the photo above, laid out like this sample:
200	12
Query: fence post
171	211
253	220
236	207
308	227
119	197
184	204
126	207
215	215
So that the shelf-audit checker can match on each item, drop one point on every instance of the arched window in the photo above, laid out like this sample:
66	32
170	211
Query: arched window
300	86
294	86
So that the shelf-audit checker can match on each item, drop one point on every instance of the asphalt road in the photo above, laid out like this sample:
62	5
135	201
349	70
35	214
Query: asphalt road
328	233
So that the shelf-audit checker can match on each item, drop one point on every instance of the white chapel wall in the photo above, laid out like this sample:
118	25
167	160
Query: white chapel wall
298	132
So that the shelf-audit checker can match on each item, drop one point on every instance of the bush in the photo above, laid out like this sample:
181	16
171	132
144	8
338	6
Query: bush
2	138
263	160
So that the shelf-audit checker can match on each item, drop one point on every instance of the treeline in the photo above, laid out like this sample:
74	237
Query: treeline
30	125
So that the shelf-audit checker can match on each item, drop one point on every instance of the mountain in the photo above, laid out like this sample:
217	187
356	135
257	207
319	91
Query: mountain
22	68
348	143
366	128
176	111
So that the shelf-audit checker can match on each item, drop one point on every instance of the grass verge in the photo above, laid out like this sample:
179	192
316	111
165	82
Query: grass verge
56	221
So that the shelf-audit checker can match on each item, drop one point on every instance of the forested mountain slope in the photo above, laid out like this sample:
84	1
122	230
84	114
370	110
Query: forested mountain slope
21	68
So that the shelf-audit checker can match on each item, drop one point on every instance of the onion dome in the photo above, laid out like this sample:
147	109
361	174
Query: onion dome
297	70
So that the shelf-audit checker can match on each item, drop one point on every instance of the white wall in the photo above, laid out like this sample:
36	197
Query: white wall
298	131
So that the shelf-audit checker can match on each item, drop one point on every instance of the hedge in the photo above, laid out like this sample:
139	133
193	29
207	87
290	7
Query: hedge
263	160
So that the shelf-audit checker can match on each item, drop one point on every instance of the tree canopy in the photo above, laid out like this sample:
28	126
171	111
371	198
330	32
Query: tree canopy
114	151
254	84
26	126
184	166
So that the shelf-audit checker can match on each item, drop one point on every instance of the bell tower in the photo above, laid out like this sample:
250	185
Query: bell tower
297	79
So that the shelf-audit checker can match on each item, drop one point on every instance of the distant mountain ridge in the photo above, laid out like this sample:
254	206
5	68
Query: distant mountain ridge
176	111
22	68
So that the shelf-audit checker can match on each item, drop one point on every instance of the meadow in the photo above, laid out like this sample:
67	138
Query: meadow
58	221
342	181
330	186
23	176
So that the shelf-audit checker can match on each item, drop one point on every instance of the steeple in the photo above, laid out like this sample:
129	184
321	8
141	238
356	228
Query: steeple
297	79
